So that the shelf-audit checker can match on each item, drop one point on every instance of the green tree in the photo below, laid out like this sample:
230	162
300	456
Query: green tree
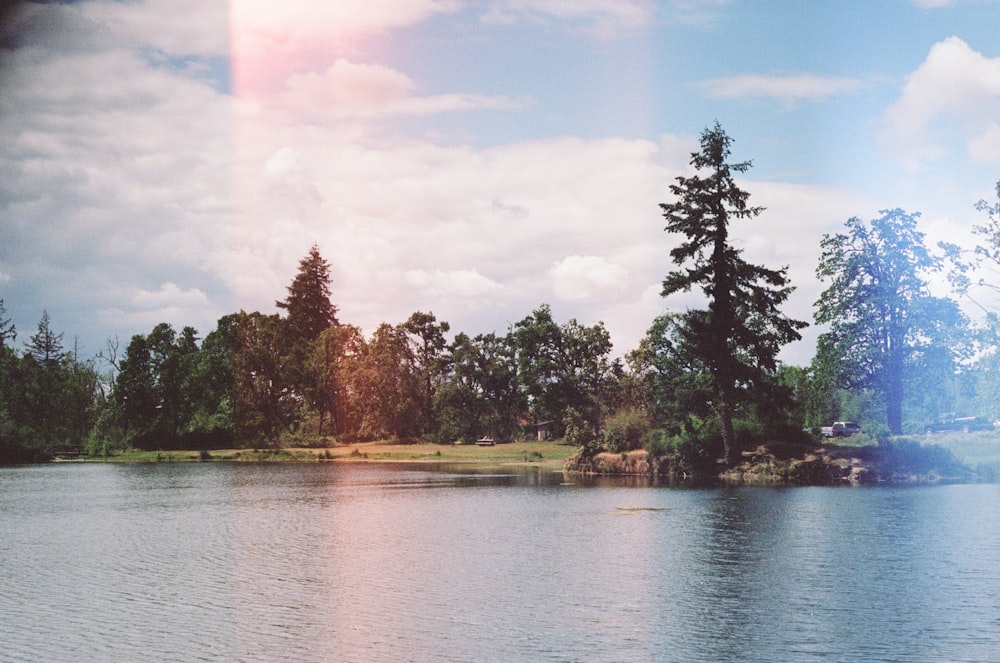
388	386
7	329
334	362
310	313
428	342
562	367
738	336
45	346
208	385
52	394
308	303
481	395
265	404
9	448
885	330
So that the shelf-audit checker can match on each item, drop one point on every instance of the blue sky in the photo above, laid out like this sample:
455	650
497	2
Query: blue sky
171	161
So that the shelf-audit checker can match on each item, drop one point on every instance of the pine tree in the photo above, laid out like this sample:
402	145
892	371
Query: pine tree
738	336
310	310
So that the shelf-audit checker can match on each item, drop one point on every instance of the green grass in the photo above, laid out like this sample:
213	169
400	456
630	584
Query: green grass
979	450
540	453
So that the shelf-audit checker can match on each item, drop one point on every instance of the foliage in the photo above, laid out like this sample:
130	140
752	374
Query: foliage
984	258
626	430
264	402
387	386
579	432
310	310
48	396
481	394
886	333
736	339
563	367
427	341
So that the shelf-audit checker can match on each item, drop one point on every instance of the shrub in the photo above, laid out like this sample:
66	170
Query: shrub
656	442
579	433
626	430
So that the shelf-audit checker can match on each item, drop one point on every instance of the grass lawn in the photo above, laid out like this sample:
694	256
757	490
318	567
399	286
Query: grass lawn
979	450
549	455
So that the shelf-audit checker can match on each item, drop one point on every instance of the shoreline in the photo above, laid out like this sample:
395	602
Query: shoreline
550	456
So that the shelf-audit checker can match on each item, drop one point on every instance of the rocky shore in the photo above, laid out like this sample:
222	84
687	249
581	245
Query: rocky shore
782	463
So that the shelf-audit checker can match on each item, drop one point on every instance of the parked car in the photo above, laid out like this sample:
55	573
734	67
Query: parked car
950	421
841	429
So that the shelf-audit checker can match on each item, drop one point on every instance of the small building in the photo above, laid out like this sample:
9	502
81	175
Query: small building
543	430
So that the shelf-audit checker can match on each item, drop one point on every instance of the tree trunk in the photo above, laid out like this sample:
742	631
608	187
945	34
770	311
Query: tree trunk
894	392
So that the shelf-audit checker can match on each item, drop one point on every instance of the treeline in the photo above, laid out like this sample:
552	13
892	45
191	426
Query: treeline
702	384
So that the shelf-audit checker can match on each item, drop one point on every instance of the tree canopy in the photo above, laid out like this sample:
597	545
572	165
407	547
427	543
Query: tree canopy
883	322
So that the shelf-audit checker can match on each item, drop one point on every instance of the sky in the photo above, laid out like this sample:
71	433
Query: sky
173	160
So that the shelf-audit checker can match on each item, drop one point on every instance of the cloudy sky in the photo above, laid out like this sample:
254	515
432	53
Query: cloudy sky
172	160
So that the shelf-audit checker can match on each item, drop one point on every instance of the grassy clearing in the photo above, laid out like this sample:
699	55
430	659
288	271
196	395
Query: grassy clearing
538	453
979	450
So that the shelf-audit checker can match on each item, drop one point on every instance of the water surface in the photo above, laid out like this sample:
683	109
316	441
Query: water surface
331	562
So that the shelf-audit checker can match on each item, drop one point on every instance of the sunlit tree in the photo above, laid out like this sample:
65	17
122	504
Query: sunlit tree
886	331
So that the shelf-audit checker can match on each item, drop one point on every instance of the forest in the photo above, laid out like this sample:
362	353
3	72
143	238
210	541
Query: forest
702	383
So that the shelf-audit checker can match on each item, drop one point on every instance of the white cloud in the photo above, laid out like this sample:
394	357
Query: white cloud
294	23
170	295
269	41
985	147
437	283
349	89
166	25
789	89
954	92
602	17
579	278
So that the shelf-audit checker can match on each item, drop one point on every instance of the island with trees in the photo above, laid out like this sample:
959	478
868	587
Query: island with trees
703	394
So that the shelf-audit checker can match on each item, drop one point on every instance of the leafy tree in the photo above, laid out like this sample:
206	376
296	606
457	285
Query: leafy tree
679	383
563	367
482	394
738	336
984	255
334	362
388	386
886	331
208	385
265	404
8	387
50	394
428	342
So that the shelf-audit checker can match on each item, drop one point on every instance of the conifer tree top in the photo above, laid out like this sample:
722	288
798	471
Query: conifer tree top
310	310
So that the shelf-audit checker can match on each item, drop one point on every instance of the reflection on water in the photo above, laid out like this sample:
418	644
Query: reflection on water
260	562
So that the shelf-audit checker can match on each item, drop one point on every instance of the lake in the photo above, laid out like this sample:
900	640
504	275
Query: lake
338	562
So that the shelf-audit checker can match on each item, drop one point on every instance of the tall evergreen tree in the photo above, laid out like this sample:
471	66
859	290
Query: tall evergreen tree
738	336
45	345
7	328
310	310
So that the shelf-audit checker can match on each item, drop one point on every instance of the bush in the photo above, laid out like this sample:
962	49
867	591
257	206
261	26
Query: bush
626	430
579	433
